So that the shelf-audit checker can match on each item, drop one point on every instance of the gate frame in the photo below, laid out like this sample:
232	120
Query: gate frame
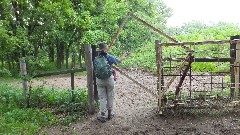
234	65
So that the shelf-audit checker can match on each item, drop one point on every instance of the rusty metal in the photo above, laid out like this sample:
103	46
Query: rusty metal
176	71
159	31
211	59
202	43
139	84
118	31
146	24
154	28
217	74
190	60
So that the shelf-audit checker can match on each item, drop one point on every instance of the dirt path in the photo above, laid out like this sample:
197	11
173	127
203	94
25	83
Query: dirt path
136	114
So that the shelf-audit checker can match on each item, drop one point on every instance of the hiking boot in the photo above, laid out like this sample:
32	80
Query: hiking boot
101	117
110	114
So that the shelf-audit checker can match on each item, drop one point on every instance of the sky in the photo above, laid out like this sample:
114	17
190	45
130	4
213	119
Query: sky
207	11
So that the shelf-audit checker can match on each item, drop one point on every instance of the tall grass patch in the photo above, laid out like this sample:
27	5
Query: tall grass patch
45	107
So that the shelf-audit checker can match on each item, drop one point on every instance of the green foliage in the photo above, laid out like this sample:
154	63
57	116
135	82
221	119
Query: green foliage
228	79
61	100
27	121
204	67
5	72
92	37
39	64
34	29
142	58
47	107
31	27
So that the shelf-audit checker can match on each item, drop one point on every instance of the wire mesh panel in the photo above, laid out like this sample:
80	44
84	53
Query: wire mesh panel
205	75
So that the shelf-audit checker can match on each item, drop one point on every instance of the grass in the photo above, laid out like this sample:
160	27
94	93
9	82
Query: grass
46	107
9	79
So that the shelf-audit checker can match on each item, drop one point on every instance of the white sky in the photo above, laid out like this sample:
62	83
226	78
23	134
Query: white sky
203	10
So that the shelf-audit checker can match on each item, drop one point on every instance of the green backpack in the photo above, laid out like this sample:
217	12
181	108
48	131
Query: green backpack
102	68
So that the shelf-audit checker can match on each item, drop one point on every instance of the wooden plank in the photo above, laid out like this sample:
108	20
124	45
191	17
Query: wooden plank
60	72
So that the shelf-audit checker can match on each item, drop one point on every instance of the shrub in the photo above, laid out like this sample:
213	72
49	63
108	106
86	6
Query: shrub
5	72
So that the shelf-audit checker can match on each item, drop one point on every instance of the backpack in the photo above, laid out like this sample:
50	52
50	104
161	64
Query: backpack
102	68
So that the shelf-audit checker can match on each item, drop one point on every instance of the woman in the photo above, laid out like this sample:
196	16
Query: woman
105	87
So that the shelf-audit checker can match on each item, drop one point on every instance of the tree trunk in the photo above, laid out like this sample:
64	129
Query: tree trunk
2	61
13	64
62	53
51	53
67	56
80	55
35	50
9	62
23	68
58	54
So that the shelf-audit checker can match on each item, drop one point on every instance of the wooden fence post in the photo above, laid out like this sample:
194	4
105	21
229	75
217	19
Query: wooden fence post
72	76
23	69
158	49
236	70
89	68
232	59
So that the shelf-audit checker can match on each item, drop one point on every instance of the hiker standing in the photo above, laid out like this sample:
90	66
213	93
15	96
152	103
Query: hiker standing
105	80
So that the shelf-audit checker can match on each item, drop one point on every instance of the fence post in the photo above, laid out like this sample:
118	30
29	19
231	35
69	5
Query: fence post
89	68
23	69
236	69
72	76
94	54
158	49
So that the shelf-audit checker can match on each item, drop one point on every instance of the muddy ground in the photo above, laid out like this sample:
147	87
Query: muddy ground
136	113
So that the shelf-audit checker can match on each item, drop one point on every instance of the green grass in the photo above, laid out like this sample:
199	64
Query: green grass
46	107
4	80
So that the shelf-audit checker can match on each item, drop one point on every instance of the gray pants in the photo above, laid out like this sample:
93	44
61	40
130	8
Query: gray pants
106	92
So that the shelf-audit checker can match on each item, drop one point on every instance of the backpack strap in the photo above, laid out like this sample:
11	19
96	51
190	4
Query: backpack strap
107	56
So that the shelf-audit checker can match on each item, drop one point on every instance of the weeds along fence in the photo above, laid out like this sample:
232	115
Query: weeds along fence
205	70
89	68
